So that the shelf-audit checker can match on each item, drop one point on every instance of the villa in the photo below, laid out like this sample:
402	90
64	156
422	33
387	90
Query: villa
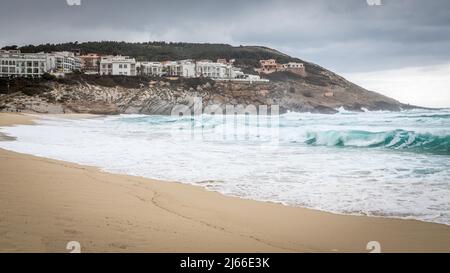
270	66
118	65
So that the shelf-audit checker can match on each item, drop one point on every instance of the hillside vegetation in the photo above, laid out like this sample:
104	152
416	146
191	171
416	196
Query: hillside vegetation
247	57
162	51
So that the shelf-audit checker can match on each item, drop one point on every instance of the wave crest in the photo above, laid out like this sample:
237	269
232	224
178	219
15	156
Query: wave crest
396	139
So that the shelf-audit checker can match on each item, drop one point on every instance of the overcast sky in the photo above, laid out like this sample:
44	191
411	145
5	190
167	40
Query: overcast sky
401	48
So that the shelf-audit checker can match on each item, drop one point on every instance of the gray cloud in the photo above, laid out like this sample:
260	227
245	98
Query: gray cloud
344	35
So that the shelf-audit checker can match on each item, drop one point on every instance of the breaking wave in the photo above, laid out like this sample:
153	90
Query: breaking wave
396	139
391	164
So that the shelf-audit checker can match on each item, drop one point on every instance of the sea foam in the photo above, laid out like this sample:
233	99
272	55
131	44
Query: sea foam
382	164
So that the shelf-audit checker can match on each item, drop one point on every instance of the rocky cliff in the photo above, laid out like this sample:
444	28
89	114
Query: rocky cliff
320	91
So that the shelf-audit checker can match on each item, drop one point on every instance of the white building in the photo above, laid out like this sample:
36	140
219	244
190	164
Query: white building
292	65
220	70
118	65
188	69
209	69
252	77
151	68
13	63
183	68
63	62
236	73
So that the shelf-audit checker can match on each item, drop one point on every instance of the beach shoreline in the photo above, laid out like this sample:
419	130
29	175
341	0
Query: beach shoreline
47	203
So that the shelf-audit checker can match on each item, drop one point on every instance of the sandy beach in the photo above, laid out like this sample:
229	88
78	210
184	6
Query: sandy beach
45	203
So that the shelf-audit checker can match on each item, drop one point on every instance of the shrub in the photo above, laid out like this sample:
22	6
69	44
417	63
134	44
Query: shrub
48	77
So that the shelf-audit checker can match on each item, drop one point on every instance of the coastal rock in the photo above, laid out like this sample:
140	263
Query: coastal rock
135	95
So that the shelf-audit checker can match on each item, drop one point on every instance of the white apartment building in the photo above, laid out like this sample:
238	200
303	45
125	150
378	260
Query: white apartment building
209	69
172	68
13	63
190	69
151	68
118	65
183	68
64	62
220	70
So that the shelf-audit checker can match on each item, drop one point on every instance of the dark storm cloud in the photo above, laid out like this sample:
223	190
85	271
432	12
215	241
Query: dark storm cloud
345	35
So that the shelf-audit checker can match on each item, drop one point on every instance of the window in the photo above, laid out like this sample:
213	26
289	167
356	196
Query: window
125	66
120	66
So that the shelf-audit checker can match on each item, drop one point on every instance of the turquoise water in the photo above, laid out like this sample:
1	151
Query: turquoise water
375	163
397	140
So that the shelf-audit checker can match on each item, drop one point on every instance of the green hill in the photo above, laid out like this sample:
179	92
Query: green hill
247	57
161	51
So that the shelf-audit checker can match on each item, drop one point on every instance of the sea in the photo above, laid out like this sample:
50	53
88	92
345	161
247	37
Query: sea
384	164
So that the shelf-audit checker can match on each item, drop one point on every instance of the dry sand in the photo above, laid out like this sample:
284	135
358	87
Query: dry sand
46	203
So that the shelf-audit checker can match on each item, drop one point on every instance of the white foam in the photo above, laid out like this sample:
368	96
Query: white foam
246	164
